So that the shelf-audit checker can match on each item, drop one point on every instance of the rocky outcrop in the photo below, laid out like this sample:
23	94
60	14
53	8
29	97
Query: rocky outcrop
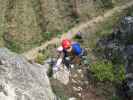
118	47
20	80
62	75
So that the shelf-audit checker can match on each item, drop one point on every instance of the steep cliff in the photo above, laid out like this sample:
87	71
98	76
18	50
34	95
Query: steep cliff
20	80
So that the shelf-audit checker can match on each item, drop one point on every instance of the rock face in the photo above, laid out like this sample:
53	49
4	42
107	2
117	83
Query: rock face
20	80
62	75
118	47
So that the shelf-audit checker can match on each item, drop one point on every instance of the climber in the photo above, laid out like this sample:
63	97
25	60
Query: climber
69	53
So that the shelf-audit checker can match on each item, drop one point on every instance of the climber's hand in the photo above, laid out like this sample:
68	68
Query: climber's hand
55	68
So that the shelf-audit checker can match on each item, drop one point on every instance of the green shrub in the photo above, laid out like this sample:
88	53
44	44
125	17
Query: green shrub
115	98
43	55
120	73
58	34
40	58
104	5
49	35
130	11
105	71
107	3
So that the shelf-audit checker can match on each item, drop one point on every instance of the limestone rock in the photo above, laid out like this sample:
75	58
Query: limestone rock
20	80
62	75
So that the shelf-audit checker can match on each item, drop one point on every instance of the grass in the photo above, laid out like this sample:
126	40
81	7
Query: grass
115	98
21	46
14	46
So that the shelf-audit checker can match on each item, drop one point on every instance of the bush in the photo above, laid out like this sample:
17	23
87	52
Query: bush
115	98
104	4
40	58
58	34
44	54
130	11
107	3
105	71
120	73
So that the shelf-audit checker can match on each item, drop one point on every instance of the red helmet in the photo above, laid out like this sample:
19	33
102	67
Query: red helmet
66	43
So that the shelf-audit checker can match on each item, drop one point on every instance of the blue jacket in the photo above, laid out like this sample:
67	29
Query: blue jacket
76	49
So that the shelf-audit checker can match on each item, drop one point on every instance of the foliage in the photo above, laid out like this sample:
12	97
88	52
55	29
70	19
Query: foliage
40	58
107	3
58	34
14	46
46	35
116	68
119	73
45	54
115	98
105	71
130	11
49	35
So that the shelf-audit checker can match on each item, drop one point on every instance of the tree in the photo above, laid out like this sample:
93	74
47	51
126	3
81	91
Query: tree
75	8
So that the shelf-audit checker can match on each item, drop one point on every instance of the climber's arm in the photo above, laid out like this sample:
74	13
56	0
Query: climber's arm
60	58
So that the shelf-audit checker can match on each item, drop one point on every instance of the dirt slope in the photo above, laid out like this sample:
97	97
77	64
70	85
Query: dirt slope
31	54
